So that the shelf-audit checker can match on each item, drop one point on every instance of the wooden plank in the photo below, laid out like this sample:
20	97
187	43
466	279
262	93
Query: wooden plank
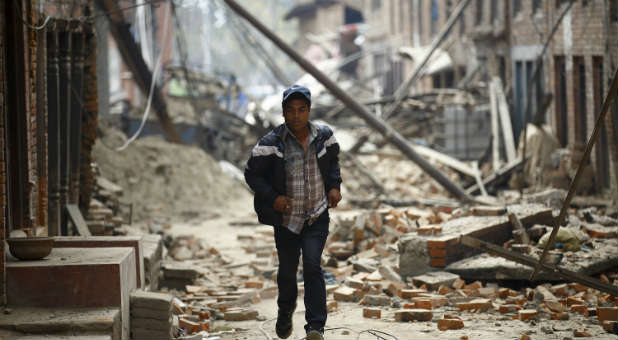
477	177
505	120
525	239
475	243
445	159
504	171
78	220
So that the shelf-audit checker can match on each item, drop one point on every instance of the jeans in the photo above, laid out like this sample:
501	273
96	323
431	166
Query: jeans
311	242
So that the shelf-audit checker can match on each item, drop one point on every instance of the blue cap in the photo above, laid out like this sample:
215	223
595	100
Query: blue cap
296	89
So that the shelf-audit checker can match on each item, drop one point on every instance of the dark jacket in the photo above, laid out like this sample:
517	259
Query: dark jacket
265	170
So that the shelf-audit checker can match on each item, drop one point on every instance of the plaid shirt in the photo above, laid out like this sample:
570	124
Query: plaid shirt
304	183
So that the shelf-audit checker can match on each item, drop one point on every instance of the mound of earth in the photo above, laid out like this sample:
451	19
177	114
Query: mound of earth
171	180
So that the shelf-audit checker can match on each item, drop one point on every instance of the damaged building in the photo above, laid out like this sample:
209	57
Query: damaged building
467	208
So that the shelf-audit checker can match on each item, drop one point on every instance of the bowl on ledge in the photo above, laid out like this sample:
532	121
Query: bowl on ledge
30	248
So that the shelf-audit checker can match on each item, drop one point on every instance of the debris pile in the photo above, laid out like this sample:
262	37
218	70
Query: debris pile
165	179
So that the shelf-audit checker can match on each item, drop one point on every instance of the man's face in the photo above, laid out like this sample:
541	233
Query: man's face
296	114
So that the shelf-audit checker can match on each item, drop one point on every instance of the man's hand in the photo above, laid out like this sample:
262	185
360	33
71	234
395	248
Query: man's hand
334	196
283	204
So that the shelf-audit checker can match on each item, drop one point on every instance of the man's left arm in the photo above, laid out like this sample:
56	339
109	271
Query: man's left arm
333	180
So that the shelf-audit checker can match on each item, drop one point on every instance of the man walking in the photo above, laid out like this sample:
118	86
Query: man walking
294	173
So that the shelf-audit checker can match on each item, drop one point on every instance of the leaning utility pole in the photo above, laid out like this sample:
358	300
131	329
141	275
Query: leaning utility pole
386	130
129	50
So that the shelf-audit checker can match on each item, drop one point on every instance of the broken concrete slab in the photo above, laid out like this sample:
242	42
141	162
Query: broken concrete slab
419	254
433	280
151	300
587	261
377	300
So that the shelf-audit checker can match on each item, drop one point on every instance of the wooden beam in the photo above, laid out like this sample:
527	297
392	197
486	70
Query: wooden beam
525	239
475	243
505	121
500	174
495	129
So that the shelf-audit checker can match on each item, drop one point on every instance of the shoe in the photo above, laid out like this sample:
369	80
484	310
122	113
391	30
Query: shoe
314	335
284	323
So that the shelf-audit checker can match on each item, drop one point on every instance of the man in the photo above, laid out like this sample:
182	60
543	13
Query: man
294	173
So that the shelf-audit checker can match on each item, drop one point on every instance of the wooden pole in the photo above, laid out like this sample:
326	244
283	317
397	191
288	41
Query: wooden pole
386	130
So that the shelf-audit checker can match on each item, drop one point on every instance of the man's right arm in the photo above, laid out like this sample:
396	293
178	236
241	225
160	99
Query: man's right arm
259	164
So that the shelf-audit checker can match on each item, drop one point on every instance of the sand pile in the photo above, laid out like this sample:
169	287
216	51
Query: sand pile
166	179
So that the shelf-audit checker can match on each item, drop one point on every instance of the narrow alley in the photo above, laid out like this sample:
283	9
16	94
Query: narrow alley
155	169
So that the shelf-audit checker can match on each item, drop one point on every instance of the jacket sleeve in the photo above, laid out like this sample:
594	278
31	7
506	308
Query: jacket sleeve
333	180
257	167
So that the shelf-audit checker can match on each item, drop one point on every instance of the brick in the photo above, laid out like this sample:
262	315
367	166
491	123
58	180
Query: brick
504	309
354	283
474	285
413	315
189	326
560	290
448	324
581	333
555	306
437	262
377	300
395	288
524	336
581	309
443	290
571	300
578	287
254	284
409	305
487	292
423	304
204	315
481	305
374	313
240	315
544	293
410	293
459	284
610	326
559	316
331	306
347	294
433	280
527	314
607	313
205	325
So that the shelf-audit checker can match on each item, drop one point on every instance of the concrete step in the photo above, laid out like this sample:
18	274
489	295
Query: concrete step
61	323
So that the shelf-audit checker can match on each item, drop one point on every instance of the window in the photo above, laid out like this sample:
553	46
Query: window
419	15
376	4
536	5
579	91
434	17
560	103
613	10
479	12
516	7
493	11
602	150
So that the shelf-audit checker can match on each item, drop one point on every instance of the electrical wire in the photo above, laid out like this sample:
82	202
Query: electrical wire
152	82
261	328
36	28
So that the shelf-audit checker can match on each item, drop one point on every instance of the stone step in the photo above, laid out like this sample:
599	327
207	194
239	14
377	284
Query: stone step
61	323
